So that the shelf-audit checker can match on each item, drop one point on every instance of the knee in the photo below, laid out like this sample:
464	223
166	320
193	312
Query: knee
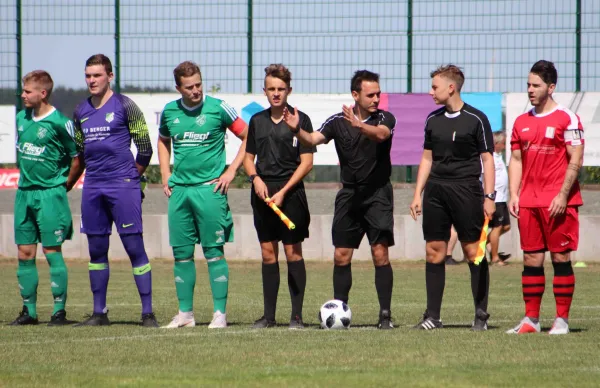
184	252
534	259
342	256
27	252
49	250
268	252
435	251
470	251
380	254
293	252
505	228
213	253
560	257
98	246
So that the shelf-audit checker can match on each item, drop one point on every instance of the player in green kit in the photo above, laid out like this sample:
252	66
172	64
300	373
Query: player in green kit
197	188
45	149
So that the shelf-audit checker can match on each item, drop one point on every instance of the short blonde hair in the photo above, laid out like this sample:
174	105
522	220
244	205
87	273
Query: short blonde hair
451	72
42	78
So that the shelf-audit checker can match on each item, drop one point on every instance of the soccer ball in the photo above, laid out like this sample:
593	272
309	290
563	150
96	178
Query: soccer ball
335	315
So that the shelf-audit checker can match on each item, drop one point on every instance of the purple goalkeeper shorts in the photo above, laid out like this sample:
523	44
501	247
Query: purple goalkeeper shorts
101	206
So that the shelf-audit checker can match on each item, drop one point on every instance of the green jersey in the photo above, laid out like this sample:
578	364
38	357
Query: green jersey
45	148
198	137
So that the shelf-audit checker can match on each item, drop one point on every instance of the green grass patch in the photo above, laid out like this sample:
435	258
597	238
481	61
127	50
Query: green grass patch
125	354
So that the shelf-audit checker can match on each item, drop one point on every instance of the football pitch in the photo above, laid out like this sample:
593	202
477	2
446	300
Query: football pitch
125	354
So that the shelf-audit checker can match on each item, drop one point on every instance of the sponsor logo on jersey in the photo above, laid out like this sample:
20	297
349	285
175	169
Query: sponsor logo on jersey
84	120
95	130
295	142
110	117
524	129
200	120
191	137
20	129
176	121
31	149
42	132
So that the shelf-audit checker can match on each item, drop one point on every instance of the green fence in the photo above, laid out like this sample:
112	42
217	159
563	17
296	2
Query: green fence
322	42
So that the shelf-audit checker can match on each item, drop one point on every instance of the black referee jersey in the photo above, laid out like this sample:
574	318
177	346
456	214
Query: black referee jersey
276	148
362	161
457	140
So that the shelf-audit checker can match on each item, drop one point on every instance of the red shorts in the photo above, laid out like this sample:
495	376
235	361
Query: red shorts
540	232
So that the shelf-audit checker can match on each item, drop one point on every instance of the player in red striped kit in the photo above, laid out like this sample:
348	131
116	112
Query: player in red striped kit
547	153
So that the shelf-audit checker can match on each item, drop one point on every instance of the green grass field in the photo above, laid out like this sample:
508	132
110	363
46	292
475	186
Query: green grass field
127	355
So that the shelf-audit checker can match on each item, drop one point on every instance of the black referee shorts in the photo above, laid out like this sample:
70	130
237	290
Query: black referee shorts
363	210
453	203
269	226
501	216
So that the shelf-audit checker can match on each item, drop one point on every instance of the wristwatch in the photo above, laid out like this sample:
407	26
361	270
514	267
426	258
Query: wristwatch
491	196
295	130
251	178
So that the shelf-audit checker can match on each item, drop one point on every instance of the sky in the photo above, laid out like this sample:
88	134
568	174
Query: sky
322	42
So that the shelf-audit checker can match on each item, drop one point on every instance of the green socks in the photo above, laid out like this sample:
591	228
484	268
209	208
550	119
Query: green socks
185	280
59	279
218	272
27	276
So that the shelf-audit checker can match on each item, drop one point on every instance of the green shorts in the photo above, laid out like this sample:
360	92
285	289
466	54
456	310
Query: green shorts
42	215
197	215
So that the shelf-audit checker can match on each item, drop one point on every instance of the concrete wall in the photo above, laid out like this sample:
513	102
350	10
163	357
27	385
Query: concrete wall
408	236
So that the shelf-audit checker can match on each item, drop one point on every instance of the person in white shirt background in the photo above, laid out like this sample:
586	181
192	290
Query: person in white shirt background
500	224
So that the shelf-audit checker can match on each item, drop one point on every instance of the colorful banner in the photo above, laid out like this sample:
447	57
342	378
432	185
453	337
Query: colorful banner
9	179
411	111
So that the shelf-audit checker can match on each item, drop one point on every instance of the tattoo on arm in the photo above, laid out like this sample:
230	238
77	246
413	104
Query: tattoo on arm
570	177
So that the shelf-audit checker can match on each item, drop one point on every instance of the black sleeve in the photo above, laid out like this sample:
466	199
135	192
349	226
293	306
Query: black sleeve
306	124
328	128
427	144
250	141
389	120
485	138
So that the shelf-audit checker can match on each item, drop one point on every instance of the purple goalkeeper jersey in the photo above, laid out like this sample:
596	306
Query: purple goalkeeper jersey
105	135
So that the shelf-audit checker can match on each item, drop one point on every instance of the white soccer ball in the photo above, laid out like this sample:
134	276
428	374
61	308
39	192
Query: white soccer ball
335	315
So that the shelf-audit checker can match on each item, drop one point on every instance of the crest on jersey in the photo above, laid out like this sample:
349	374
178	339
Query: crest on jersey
550	132
20	129
110	117
200	120
42	132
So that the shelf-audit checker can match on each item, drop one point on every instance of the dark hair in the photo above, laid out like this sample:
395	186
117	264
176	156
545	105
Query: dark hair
451	72
359	77
185	69
277	70
546	71
100	59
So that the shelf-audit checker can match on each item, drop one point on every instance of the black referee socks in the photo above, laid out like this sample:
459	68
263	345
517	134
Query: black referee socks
297	285
270	277
480	284
435	281
384	283
342	282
